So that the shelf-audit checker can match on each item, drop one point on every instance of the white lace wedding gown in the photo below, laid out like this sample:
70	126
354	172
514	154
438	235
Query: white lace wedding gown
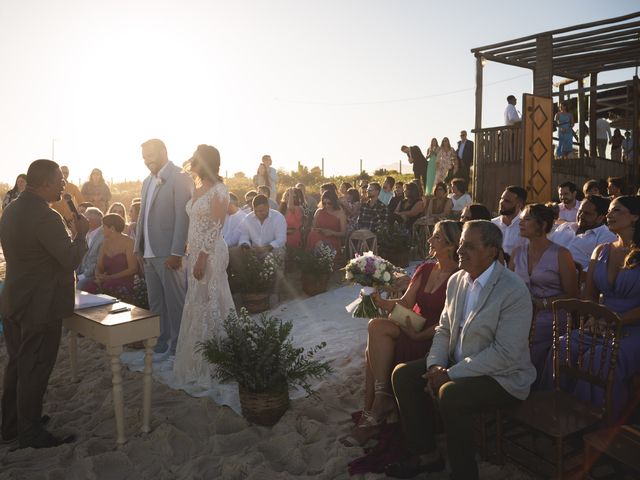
208	301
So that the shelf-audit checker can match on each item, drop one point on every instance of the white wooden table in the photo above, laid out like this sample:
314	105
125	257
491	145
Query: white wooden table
113	331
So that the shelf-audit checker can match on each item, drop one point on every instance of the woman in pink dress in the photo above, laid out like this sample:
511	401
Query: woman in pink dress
117	265
329	223
291	208
389	344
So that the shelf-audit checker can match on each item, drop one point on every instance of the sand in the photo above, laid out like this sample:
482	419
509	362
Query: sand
194	438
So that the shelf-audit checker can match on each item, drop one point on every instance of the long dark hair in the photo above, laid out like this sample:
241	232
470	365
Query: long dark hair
632	203
332	197
15	186
297	200
208	159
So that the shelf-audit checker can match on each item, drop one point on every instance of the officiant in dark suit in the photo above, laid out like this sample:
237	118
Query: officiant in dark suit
416	158
38	293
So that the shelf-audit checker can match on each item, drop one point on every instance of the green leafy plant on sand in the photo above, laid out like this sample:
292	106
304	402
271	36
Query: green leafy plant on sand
258	353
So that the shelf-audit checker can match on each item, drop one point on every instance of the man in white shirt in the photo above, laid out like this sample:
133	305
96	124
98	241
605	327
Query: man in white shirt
582	237
87	269
387	190
231	228
264	230
603	136
511	115
512	202
568	206
479	359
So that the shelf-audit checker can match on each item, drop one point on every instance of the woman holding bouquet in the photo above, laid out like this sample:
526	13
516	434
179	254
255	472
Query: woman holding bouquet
389	344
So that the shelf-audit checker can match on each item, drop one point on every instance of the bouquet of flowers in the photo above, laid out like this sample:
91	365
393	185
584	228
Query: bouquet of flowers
371	272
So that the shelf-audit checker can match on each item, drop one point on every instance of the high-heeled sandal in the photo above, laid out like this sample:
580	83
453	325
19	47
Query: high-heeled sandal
369	424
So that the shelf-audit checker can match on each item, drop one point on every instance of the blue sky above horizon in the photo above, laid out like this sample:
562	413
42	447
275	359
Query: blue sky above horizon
301	81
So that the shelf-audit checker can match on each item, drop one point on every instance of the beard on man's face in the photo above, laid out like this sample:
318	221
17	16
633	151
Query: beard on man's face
507	211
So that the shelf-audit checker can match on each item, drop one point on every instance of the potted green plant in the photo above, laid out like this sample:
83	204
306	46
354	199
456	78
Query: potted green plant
259	355
255	280
394	244
316	267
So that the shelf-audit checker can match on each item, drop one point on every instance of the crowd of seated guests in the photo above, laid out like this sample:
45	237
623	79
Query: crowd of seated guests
599	235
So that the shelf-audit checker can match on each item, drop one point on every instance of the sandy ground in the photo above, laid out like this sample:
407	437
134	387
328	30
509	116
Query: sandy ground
194	438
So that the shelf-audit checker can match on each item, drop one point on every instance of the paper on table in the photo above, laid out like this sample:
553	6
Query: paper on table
87	300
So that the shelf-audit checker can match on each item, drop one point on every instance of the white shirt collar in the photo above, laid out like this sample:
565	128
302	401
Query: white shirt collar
483	278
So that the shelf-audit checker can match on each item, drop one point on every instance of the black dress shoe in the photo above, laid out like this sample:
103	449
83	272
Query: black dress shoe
44	420
45	440
410	470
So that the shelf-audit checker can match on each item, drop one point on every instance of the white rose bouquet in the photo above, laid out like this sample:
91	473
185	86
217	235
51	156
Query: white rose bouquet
371	272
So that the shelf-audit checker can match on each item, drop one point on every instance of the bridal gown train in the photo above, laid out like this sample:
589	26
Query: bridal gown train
208	301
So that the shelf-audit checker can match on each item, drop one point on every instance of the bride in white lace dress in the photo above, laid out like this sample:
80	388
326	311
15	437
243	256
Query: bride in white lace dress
208	299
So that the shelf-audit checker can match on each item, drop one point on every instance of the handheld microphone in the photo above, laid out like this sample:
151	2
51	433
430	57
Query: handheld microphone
69	199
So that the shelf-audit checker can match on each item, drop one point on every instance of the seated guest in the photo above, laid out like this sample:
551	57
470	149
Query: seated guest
18	188
475	211
344	188
248	198
134	214
398	196
582	237
118	208
459	196
567	192
387	190
266	191
117	264
389	344
511	204
328	186
351	206
86	270
232	221
614	273
264	230
439	207
616	186
82	207
478	361
548	271
291	208
329	223
591	187
372	211
410	208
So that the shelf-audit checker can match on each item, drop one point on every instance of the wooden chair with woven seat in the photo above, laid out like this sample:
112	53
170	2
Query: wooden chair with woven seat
559	414
362	241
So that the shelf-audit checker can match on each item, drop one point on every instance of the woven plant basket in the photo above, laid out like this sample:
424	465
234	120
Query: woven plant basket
264	408
314	283
256	302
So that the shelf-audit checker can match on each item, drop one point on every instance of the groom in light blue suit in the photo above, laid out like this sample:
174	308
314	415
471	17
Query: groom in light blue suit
161	237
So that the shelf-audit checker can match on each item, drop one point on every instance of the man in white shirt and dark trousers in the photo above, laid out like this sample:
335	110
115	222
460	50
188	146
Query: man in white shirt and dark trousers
479	359
264	230
603	136
512	202
582	237
568	206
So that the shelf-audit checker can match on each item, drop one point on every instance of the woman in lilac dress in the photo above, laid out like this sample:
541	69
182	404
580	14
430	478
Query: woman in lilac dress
549	273
614	273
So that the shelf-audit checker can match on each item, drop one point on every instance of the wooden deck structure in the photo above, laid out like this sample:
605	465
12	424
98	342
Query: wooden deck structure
512	155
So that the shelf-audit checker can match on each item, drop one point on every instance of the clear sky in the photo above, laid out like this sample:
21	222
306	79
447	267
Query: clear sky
298	79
